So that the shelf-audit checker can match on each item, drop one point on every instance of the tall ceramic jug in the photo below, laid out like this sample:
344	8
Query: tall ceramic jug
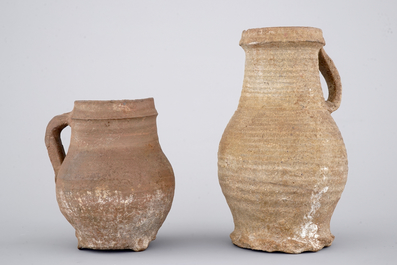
282	161
115	186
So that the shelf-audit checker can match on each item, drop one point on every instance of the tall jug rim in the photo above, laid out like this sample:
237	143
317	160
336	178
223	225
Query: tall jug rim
113	109
258	36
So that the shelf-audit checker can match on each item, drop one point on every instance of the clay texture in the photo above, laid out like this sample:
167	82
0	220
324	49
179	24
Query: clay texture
115	186
282	161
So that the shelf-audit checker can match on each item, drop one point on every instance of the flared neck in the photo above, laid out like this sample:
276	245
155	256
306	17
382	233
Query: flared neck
282	68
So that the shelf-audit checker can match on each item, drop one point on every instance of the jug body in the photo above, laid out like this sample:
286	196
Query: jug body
115	186
282	163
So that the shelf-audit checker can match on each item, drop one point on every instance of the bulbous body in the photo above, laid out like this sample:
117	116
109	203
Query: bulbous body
282	161
115	185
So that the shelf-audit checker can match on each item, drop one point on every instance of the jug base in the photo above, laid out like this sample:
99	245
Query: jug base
277	243
137	245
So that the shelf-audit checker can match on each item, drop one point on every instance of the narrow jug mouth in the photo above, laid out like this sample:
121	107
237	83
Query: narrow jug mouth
113	109
260	36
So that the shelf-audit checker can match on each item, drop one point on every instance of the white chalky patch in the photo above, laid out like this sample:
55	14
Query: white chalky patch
308	231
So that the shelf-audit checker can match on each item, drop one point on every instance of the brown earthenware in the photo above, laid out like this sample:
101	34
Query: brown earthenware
282	161
115	185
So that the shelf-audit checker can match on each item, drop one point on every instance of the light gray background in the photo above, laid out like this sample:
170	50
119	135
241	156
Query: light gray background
185	54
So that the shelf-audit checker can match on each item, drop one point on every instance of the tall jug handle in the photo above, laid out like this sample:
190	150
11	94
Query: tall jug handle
331	76
53	142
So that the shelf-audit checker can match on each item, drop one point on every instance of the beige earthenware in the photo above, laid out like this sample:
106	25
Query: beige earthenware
115	185
282	161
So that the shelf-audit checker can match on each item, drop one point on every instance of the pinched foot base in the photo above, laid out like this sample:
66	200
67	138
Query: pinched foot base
272	243
139	244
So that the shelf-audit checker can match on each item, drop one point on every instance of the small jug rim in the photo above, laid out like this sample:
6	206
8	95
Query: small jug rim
258	36
113	109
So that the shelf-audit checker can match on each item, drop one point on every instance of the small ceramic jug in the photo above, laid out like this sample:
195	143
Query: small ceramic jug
282	161
115	186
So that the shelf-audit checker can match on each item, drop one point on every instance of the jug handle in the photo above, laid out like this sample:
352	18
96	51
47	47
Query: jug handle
331	76
53	141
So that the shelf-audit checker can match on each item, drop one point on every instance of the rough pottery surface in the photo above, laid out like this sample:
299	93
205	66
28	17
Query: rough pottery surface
115	186
282	162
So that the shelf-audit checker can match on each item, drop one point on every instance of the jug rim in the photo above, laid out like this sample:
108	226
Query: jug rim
258	36
113	109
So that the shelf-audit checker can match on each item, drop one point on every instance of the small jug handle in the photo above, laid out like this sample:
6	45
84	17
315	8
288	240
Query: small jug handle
331	76
53	142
